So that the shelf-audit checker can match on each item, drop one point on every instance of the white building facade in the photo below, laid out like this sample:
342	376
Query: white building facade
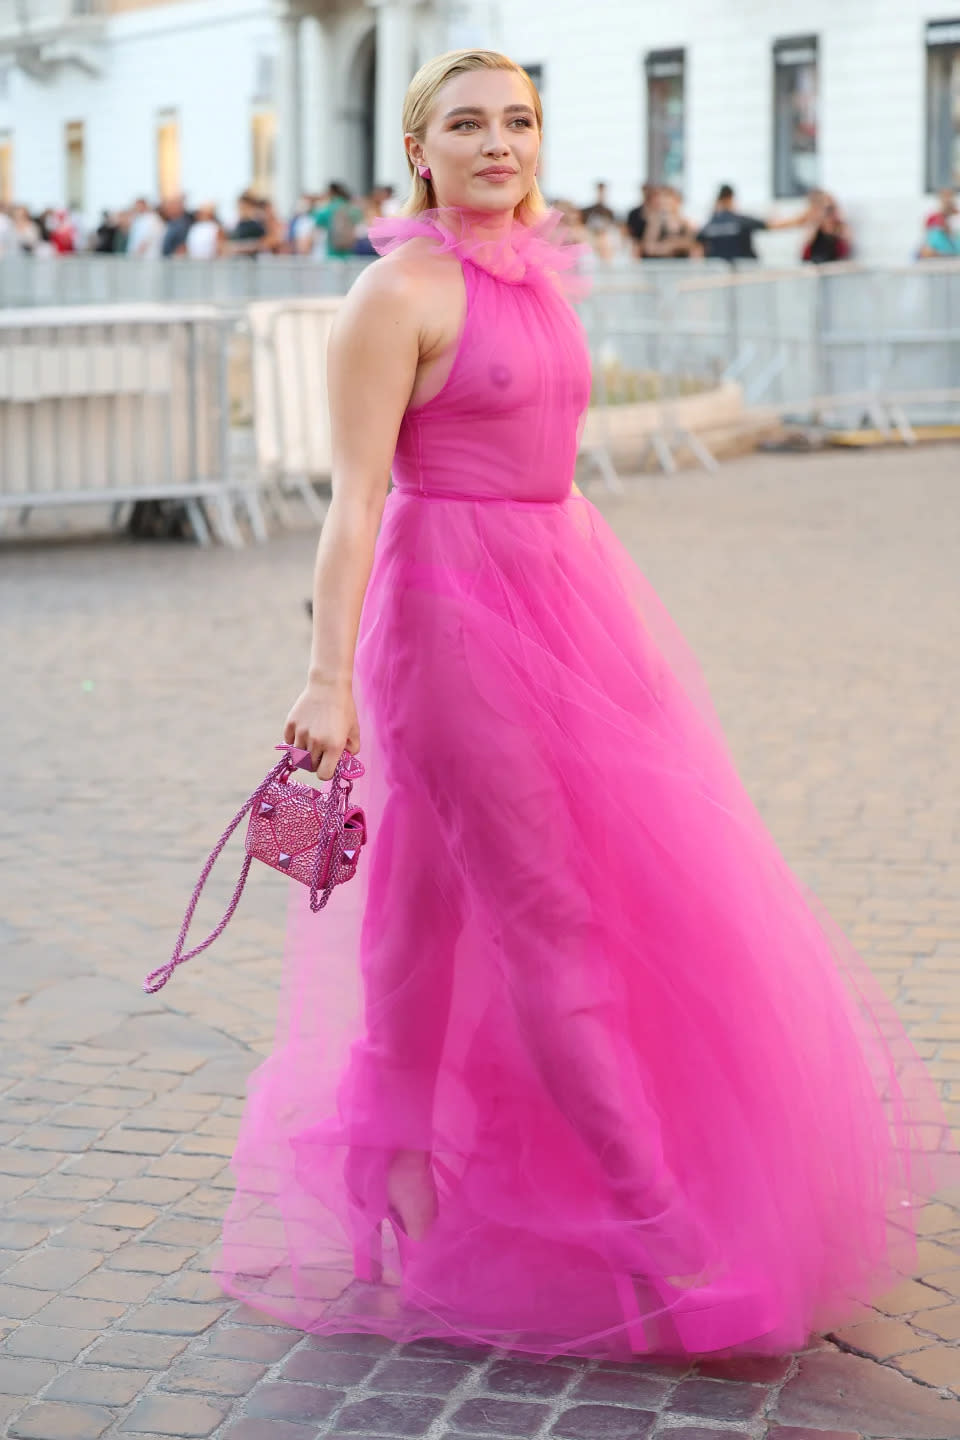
104	100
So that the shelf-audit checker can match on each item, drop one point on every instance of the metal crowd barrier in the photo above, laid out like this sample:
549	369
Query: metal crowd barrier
118	405
123	280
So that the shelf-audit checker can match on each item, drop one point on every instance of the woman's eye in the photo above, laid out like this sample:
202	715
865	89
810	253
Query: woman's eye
525	121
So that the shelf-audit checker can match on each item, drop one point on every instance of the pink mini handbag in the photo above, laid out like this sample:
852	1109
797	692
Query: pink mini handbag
313	835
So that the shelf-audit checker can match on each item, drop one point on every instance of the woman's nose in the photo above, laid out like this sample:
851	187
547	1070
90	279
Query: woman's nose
495	143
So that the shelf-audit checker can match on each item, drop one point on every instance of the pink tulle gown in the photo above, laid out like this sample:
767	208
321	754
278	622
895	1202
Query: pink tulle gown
646	1099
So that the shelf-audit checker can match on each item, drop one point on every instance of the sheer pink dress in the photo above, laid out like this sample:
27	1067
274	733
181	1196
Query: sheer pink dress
667	1108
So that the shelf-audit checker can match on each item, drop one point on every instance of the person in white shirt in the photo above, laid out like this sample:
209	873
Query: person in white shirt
8	236
204	238
145	240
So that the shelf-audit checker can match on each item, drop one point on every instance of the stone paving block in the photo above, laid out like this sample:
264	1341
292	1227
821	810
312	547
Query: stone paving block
135	1352
173	1317
330	1367
198	1144
488	1416
269	1430
603	1422
697	1432
394	1415
189	1233
202	1376
83	1385
937	1365
835	1390
26	1162
781	1432
150	1259
240	1342
121	1216
911	1297
103	1165
63	1139
716	1400
61	1422
19	1303
448	1350
122	1097
193	1285
174	1417
117	1286
80	1314
24	1377
53	1269
355	1344
18	1235
151	1190
71	1187
38	1211
945	1323
880	1339
765	1369
81	1236
48	1342
526	1379
418	1375
283	1400
176	1166
623	1388
13	1185
123	1140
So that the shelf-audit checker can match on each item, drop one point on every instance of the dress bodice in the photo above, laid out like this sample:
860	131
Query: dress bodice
506	422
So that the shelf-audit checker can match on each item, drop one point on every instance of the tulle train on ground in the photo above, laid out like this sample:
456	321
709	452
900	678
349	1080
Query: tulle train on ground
606	1008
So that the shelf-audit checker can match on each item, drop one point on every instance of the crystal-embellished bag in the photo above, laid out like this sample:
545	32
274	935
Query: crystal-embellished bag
313	835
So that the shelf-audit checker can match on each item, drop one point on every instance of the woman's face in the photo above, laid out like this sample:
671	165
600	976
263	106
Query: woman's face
482	141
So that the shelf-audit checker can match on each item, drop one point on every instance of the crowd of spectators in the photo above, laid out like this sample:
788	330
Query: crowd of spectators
331	223
334	223
658	228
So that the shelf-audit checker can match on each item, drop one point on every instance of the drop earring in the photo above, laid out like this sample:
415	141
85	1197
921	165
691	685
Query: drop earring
424	172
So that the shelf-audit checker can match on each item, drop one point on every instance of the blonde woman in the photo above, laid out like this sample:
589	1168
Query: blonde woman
574	1066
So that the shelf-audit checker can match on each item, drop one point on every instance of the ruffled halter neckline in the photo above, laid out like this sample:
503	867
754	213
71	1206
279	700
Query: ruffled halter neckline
527	253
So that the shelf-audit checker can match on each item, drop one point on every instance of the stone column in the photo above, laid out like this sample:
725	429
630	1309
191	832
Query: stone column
395	50
288	114
316	104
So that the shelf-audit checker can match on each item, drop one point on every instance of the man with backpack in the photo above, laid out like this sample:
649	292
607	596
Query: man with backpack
340	218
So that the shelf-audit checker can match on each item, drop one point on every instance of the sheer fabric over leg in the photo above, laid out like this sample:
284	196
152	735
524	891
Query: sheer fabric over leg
665	1104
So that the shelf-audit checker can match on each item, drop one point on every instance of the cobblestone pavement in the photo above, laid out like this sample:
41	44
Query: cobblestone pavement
144	687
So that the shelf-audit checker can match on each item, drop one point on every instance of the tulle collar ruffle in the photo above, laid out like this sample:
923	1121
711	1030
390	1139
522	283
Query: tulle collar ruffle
527	254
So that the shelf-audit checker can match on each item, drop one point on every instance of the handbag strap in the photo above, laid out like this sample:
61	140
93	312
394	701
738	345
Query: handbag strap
158	978
294	759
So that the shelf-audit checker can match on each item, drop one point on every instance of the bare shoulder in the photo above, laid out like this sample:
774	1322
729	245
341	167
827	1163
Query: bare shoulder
415	285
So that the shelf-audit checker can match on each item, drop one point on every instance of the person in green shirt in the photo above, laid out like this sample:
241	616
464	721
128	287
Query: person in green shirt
339	217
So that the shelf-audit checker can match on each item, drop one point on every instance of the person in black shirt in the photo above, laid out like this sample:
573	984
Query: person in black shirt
728	235
638	218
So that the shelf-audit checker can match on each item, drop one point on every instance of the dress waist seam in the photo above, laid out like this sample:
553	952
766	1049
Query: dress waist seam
477	499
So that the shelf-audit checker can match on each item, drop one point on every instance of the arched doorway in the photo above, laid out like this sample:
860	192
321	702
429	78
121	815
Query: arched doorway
360	110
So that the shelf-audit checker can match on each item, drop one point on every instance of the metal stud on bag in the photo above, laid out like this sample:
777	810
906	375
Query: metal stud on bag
315	836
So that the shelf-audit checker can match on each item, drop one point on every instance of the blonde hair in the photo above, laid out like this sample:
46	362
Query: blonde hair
418	108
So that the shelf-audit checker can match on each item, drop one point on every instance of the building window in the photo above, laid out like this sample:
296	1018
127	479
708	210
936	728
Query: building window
796	162
943	104
168	154
75	164
263	152
6	167
665	117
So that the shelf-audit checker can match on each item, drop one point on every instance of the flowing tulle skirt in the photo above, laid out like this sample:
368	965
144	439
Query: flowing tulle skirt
667	1108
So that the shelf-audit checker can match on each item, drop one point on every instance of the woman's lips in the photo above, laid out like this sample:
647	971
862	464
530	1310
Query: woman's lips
497	176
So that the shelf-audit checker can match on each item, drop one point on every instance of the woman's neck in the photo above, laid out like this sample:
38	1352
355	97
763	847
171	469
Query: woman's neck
485	224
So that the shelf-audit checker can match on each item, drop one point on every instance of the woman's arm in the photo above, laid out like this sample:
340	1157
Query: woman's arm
372	365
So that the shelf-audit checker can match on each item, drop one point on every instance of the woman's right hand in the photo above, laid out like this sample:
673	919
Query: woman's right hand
323	720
